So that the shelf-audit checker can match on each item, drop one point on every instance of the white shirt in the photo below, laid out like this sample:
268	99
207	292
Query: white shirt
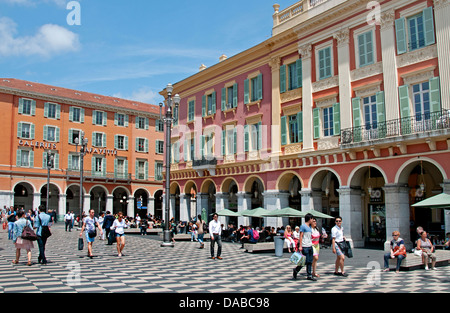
119	226
337	233
68	217
215	228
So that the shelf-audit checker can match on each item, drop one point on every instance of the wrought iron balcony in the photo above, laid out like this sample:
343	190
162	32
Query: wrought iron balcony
416	124
204	162
73	174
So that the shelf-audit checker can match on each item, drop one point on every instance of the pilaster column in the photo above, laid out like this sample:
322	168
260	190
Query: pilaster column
222	204
397	213
62	205
87	204
446	187
202	203
185	207
244	203
36	200
172	206
109	203
388	52
151	206
350	209
276	106
130	206
345	88
442	22
275	200
307	99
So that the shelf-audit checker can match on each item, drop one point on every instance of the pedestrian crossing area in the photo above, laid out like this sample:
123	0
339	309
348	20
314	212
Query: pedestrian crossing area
146	267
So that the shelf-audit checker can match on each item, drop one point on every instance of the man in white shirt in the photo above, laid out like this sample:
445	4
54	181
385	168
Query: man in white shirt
215	232
68	220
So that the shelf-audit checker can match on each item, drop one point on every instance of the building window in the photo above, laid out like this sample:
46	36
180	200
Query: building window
325	63
99	139
121	119
26	106
293	129
159	147
210	104
25	130
74	162
191	144
25	158
292	76
121	168
141	169
158	171
328	124
98	118
141	122
253	89
416	32
191	111
76	115
51	110
141	145
370	112
159	126
51	133
421	98
120	142
366	49
73	135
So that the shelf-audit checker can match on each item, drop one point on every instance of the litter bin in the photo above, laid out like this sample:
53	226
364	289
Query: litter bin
279	245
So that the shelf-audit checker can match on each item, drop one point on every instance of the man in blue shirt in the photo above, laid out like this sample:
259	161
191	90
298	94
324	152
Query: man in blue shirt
305	247
41	220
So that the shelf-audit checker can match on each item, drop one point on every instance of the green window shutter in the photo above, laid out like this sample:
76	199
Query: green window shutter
19	157
32	159
404	101
33	107
69	162
246	138
300	126
428	23
136	168
146	170
283	78
94	113
400	34
260	87
115	167
224	133
177	152
32	131
58	111
116	141
104	167
435	95
202	146
19	130
299	73
46	109
71	114
56	161
235	95
45	132
337	119
234	140
115	119
214	102
137	144
82	115
283	130
105	118
93	139
147	123
259	136
125	139
224	99
356	109
381	115
21	106
125	168
44	160
126	120
316	123
203	106
146	145
246	91
104	140
57	133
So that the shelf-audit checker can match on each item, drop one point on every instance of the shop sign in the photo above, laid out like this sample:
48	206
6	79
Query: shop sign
38	144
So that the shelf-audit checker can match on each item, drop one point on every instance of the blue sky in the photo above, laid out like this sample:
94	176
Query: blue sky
130	49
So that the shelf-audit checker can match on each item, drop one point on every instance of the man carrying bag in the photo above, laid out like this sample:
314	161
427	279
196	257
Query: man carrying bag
42	225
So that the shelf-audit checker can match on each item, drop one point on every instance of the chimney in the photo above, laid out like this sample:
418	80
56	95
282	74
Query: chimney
202	67
223	57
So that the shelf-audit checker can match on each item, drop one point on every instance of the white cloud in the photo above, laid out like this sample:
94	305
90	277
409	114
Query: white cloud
49	40
144	94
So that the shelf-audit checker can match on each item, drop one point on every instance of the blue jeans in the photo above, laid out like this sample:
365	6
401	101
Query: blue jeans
217	239
309	254
387	257
200	238
41	243
10	230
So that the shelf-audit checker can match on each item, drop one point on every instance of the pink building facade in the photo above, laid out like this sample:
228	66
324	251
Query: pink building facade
344	110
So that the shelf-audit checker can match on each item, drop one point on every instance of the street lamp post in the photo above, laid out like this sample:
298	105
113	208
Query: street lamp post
82	142
168	119
50	158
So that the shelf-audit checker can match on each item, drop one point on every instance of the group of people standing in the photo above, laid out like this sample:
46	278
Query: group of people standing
308	243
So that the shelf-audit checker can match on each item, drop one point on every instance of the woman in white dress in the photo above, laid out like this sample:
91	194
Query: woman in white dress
119	225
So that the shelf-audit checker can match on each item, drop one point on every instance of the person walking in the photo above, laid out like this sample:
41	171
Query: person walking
19	242
315	238
11	218
337	238
42	220
107	223
398	251
215	231
305	247
68	221
90	223
201	226
101	218
118	227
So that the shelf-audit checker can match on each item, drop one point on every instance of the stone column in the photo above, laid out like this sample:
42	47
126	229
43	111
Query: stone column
350	209
442	22
244	203
130	206
222	204
202	203
61	207
307	100
151	206
110	203
446	187
388	51
87	204
276	200
276	107
36	200
185	207
397	213
345	88
172	206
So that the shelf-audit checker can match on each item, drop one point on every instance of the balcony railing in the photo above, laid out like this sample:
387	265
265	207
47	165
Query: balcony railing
204	162
295	10
75	174
404	126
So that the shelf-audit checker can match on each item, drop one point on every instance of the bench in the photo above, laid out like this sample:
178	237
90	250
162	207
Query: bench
185	237
413	262
261	246
137	231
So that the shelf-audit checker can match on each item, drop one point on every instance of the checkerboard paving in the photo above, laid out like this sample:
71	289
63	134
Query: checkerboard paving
146	267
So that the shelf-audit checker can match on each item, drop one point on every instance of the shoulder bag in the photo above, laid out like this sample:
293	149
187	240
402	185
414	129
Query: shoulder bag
45	230
28	233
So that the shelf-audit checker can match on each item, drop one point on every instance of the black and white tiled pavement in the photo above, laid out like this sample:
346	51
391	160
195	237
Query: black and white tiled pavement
148	268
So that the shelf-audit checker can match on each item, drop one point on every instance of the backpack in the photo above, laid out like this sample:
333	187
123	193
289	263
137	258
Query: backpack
255	234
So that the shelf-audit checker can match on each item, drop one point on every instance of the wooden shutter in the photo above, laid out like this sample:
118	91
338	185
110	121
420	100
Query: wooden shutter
428	24
246	91
381	115
260	87
299	66
337	119
316	123
204	106
400	34
283	78
300	126
435	95
224	99
283	127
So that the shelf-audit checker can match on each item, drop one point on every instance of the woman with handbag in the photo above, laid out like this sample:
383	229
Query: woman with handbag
424	244
90	223
337	241
19	242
